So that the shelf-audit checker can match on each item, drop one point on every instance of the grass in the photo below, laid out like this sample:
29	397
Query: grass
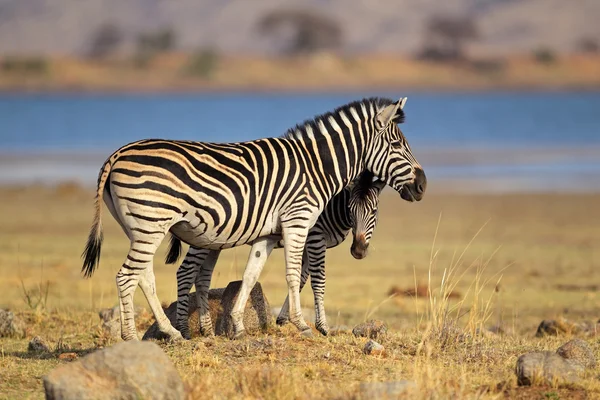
505	256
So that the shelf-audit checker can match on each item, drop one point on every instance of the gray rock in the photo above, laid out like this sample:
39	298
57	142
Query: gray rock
546	368
373	348
38	345
111	320
257	317
378	390
127	370
10	325
578	351
371	329
214	308
257	314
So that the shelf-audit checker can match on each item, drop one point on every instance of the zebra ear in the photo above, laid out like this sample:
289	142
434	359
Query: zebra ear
392	113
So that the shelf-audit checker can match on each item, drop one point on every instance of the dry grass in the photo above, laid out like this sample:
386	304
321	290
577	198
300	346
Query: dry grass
320	72
507	255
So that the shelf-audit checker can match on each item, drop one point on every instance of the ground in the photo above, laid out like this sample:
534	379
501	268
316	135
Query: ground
510	260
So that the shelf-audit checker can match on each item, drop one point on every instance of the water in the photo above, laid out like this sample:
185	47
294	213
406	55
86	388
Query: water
479	141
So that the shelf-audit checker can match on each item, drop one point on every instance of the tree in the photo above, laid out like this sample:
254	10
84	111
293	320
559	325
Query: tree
446	36
105	41
310	32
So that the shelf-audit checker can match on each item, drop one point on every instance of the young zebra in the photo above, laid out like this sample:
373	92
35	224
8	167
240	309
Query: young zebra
354	208
221	195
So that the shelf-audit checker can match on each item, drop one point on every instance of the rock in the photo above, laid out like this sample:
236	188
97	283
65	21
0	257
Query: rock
38	345
130	369
378	390
552	327
220	302
111	320
10	325
257	315
371	329
546	368
373	348
578	351
214	308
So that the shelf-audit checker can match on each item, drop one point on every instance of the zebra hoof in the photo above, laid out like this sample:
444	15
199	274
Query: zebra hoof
282	321
239	335
307	333
175	337
324	330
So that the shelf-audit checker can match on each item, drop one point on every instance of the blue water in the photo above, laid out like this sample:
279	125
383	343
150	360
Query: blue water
469	122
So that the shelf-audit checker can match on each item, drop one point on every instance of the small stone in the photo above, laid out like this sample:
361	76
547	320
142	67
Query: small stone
10	325
127	370
68	356
373	348
539	368
578	351
38	345
371	329
378	390
111	320
551	327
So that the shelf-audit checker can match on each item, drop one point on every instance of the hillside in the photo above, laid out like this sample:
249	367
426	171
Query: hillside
385	26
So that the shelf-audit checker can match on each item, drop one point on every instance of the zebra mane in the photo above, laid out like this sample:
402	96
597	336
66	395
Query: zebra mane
299	131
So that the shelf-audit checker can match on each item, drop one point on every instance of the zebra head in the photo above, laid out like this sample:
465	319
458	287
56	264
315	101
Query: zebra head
391	158
362	206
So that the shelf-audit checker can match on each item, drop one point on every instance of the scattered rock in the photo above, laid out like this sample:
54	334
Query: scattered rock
130	369
111	320
68	356
377	390
38	345
546	368
371	329
551	327
373	348
578	351
220	302
10	325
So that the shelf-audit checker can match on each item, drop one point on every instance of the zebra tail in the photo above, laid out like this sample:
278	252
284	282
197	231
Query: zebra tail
91	254
174	250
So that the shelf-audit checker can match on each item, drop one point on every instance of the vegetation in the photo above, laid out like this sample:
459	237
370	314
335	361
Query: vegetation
484	261
105	41
445	38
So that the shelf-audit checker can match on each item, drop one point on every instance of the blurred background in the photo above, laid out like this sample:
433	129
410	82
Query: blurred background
502	93
503	112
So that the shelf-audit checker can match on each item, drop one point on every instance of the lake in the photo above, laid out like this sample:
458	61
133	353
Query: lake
466	141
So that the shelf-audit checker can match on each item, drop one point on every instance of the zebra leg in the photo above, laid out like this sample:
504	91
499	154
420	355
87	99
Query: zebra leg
316	254
186	276
148	285
261	249
294	241
203	279
284	315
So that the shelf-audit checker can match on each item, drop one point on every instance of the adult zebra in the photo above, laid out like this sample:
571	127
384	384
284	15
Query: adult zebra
353	209
221	195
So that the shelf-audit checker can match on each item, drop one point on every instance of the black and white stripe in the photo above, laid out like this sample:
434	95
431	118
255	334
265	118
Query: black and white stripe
220	195
354	208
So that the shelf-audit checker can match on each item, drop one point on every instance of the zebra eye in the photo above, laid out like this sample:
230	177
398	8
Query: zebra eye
396	143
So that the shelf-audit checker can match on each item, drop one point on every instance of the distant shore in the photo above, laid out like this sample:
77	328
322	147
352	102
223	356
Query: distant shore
322	73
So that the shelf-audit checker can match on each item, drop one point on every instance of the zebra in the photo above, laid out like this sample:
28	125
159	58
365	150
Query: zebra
222	195
354	208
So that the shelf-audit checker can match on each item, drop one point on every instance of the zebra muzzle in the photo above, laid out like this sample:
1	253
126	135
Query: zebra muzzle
359	247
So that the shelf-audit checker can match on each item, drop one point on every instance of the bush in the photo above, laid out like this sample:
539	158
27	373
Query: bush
203	63
544	56
29	65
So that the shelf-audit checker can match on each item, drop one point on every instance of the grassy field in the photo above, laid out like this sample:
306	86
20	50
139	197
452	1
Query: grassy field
509	259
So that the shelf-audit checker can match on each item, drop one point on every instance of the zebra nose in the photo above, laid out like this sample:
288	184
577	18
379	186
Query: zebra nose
359	247
420	181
